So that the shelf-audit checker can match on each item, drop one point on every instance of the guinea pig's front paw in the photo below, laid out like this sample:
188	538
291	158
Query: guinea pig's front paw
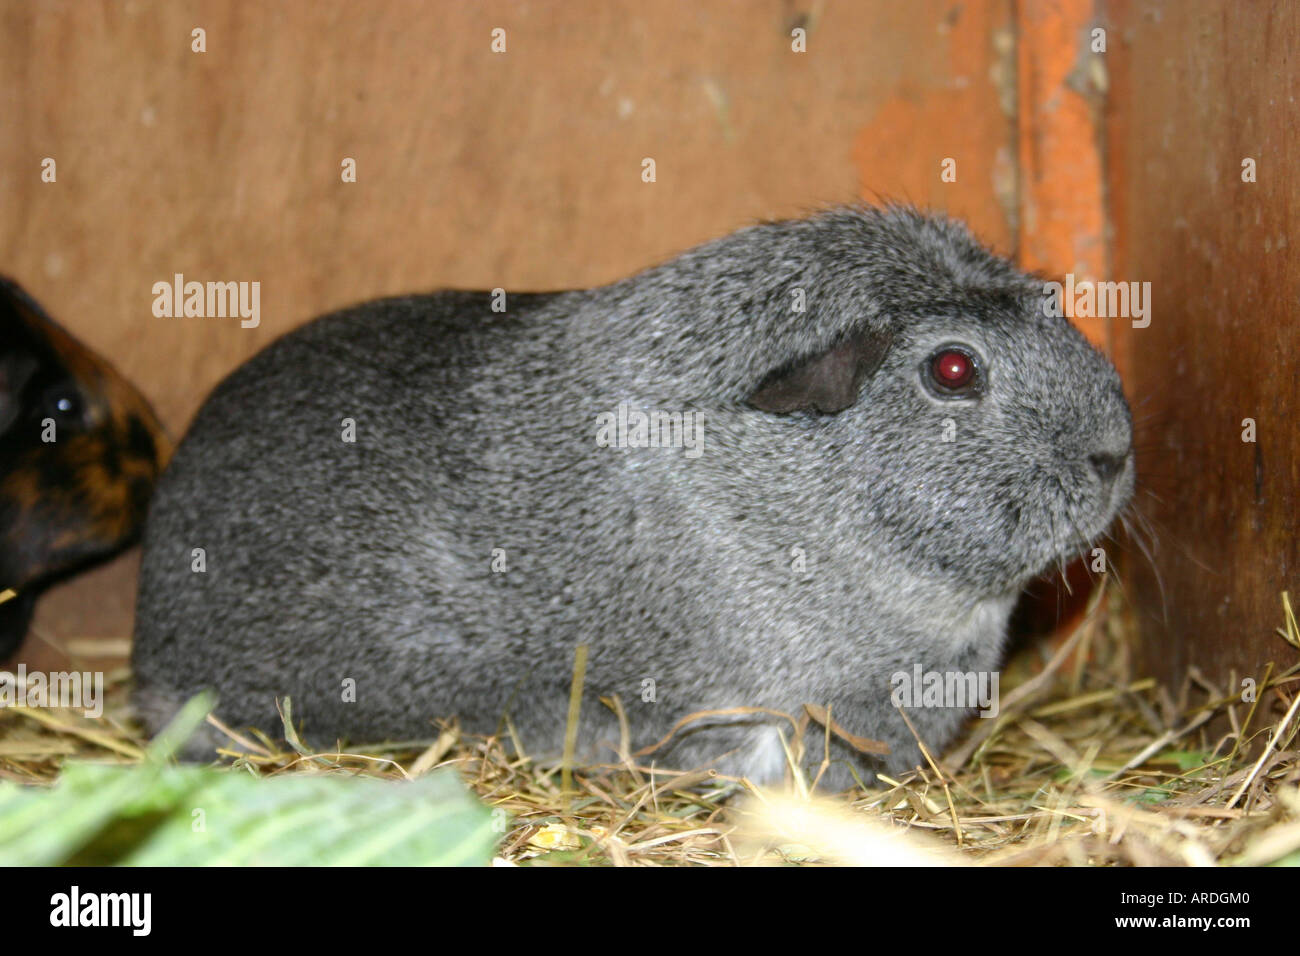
761	756
752	751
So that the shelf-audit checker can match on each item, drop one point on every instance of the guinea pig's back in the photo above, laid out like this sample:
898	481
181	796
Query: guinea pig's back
310	528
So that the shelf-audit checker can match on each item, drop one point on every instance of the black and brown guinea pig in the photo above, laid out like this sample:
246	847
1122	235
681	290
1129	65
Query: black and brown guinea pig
80	450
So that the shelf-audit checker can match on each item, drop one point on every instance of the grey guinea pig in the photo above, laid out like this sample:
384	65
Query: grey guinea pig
897	438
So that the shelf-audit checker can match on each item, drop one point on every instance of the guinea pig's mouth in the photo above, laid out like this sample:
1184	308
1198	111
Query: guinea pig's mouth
1076	521
1117	491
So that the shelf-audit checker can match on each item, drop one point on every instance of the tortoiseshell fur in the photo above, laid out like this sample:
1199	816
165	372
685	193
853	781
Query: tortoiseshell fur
82	496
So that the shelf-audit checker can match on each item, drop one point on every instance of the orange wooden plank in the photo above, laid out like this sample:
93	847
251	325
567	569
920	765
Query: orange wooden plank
1062	202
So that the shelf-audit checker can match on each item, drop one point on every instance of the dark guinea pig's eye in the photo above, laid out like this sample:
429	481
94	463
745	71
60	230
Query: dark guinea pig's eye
953	371
63	403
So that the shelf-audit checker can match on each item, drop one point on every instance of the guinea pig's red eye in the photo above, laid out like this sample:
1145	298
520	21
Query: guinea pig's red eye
952	371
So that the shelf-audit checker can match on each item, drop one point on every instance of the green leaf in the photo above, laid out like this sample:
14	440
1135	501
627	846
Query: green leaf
157	814
1151	795
1184	759
199	816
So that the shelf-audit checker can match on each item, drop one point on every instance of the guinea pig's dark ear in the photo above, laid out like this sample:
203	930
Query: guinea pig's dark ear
17	365
16	369
825	382
14	300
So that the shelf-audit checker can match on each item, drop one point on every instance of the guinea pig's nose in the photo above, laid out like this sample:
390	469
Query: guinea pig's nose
1107	466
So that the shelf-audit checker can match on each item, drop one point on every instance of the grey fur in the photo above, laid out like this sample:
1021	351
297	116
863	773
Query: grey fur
476	431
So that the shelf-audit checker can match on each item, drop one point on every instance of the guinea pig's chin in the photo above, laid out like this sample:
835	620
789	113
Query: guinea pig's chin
1059	540
1086	531
1071	520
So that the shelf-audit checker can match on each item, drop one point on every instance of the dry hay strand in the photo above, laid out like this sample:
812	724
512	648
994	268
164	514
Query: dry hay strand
1083	765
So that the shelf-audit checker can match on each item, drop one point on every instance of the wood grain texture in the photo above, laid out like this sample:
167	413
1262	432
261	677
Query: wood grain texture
1060	86
519	170
1195	89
